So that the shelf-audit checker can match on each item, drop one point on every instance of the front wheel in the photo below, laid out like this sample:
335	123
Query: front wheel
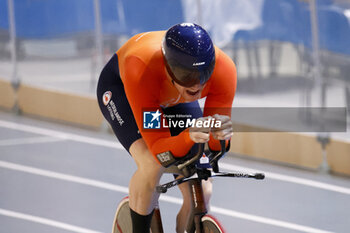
122	220
211	225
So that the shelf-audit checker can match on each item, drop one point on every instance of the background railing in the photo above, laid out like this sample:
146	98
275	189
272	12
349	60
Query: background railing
280	46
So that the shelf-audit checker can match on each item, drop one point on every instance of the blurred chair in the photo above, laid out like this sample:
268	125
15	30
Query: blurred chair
334	37
334	30
334	33
4	31
155	15
66	19
334	45
280	22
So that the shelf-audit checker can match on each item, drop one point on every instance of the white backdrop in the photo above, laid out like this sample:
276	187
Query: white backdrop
222	18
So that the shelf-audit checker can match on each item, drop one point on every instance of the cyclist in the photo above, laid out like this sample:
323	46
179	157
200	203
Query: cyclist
166	71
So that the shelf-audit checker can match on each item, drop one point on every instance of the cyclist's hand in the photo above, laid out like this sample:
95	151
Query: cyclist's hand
200	134
225	132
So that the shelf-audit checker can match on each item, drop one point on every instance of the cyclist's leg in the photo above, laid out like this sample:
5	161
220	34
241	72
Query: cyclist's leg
191	110
142	185
143	197
116	109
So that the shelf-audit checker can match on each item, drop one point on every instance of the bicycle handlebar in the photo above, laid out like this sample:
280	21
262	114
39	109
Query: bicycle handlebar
207	174
213	159
190	172
197	156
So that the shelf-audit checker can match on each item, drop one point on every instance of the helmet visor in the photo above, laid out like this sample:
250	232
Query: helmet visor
189	77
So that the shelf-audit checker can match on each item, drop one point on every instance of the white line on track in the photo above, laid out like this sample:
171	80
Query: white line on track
116	145
59	134
291	179
28	140
45	221
65	177
174	200
267	221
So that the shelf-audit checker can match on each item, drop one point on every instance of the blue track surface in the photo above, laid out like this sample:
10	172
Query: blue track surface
58	178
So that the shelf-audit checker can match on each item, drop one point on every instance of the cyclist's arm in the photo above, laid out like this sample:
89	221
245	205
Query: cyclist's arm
222	90
142	90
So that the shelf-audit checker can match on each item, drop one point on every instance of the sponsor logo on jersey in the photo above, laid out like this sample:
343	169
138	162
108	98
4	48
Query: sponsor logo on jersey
106	97
113	112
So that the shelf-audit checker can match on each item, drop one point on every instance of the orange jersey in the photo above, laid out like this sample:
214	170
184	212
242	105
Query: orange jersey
146	84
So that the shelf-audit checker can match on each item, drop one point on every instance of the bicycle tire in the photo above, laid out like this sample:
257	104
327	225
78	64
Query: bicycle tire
211	225
122	219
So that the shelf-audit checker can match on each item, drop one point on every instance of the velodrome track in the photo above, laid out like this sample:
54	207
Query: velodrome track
59	178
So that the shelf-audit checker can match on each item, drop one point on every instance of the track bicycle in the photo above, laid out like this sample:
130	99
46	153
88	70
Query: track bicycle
192	170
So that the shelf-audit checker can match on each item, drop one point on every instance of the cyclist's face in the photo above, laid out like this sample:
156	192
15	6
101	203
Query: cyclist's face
190	93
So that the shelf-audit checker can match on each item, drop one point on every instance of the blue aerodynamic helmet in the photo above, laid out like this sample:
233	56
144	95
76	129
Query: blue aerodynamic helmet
189	54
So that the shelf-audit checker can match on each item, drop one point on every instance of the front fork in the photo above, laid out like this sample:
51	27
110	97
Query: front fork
156	223
199	207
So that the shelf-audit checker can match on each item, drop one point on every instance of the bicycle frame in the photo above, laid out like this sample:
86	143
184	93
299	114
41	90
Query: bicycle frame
199	221
156	224
199	208
198	205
